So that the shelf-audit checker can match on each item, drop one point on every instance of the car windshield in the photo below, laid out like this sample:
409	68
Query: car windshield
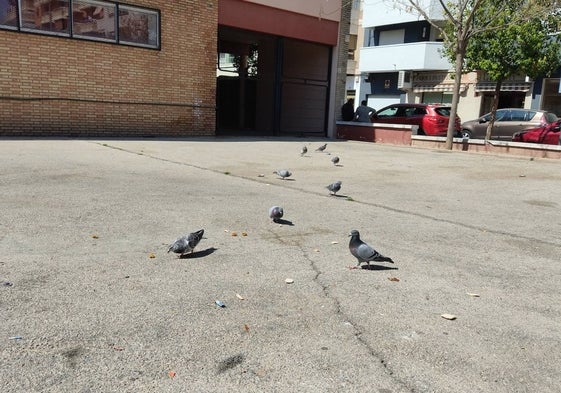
443	111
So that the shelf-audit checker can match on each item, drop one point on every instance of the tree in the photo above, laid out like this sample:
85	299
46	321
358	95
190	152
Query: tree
513	49
464	19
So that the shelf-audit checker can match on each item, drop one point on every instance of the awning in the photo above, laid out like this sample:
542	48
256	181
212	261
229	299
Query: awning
505	86
424	88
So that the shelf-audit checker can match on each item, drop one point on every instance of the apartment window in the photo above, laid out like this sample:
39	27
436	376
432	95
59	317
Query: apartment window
437	97
392	37
138	26
49	17
98	20
94	20
369	37
8	14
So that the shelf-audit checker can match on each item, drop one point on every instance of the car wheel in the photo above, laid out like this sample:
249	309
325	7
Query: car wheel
466	134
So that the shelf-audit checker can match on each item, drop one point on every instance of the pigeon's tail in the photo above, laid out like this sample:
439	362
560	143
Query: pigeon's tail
382	258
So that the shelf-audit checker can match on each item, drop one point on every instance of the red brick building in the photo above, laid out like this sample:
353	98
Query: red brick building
149	67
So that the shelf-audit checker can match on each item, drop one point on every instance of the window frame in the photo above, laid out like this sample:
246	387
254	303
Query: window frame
150	11
46	32
93	38
153	12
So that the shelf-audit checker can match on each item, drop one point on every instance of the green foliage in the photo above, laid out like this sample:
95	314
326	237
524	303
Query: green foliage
509	49
252	61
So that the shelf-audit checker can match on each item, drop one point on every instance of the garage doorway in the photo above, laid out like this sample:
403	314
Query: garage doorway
271	86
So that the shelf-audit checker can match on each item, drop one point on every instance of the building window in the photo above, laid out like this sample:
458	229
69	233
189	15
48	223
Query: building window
49	17
89	19
437	97
94	20
9	14
138	26
369	37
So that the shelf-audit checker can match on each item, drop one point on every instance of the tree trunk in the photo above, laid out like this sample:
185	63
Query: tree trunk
494	107
455	97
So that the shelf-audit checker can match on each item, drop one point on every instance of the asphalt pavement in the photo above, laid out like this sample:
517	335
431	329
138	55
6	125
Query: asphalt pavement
90	300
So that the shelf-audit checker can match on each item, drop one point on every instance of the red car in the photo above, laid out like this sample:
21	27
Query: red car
432	119
547	135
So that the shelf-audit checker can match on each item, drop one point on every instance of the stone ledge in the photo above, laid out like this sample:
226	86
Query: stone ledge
395	134
401	134
535	150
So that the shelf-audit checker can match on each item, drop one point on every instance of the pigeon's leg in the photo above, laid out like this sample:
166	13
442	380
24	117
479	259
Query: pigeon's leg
357	265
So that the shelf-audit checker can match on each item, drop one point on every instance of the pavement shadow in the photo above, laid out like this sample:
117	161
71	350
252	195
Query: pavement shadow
284	222
378	267
199	254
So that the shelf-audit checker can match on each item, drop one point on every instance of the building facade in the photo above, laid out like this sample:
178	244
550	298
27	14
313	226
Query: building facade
401	61
149	67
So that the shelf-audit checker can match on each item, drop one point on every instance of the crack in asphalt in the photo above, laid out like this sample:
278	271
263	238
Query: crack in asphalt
358	332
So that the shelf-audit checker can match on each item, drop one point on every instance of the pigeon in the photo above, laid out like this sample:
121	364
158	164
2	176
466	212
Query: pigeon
335	160
334	187
276	213
283	173
303	151
322	147
363	252
186	244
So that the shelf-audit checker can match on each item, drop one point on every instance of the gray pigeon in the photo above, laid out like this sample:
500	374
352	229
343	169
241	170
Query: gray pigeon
335	160
276	213
303	151
283	173
186	244
322	147
363	252
334	187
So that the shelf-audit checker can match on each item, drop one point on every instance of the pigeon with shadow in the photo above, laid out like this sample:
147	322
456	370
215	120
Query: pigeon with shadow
303	151
334	187
363	252
283	173
322	147
276	213
187	243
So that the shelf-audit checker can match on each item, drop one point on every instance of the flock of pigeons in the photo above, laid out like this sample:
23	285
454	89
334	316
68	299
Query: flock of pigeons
360	250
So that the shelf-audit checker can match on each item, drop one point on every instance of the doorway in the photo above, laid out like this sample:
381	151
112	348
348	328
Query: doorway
271	86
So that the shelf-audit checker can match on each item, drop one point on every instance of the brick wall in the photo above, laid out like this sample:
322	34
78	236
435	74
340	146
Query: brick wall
69	87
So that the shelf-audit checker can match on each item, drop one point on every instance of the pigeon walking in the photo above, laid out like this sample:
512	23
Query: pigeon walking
335	160
363	252
276	213
283	173
322	147
186	244
303	151
334	187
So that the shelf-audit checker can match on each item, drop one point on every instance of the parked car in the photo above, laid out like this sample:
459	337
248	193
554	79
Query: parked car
432	119
507	122
547	135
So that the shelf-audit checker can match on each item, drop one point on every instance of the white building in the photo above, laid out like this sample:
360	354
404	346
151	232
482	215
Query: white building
401	60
